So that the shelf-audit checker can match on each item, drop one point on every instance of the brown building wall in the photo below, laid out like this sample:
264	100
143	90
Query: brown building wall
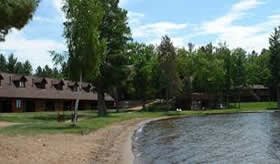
15	108
59	105
40	105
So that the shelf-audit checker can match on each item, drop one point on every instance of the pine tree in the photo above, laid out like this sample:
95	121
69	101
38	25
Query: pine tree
274	42
170	82
115	31
3	63
15	14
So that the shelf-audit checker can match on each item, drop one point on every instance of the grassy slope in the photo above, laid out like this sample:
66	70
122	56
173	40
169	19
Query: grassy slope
40	123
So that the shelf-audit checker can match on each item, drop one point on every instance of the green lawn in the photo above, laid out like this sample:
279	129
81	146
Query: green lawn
46	122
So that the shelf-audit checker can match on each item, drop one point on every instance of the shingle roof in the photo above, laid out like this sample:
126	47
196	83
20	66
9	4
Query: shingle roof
18	77
40	80
9	90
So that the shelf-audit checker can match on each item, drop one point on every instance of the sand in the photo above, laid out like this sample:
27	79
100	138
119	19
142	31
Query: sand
112	145
6	124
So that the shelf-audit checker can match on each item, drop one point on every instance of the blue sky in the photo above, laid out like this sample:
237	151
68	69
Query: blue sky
241	23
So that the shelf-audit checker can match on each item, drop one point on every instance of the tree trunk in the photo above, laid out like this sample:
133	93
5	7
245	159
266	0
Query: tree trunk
75	114
278	97
116	97
101	106
144	104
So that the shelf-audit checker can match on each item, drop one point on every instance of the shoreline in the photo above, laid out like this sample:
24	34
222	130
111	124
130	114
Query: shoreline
112	145
127	155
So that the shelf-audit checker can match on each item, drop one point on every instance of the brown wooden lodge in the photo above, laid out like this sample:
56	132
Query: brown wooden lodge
202	100
19	93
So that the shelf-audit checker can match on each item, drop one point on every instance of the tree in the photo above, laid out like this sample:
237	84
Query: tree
143	60
274	47
27	68
115	31
11	65
170	82
18	68
15	14
47	71
224	54
85	46
3	63
39	71
239	71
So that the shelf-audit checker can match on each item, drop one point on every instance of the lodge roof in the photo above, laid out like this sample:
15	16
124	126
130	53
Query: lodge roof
8	89
18	77
38	80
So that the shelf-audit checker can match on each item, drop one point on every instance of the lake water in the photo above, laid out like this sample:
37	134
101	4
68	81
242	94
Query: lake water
235	138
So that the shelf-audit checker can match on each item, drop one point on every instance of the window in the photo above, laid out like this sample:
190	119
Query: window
41	85
59	87
18	104
21	84
75	89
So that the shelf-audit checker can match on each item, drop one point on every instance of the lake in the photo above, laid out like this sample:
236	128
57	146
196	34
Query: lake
231	138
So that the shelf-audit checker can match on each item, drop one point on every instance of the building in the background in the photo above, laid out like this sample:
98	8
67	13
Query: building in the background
20	93
251	93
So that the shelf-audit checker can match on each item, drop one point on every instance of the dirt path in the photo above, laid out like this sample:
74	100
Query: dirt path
109	145
6	124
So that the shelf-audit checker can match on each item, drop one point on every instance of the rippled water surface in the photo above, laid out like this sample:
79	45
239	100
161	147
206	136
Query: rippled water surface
236	138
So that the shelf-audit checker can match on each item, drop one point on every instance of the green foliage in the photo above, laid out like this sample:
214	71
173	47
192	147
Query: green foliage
114	30
274	48
48	72
12	65
15	14
3	63
85	48
274	42
170	84
143	60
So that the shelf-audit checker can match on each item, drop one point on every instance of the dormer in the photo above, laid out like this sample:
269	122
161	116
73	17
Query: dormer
86	87
73	86
40	83
19	81
58	84
1	78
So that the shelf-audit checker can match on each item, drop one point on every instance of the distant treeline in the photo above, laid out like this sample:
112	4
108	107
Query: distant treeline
12	65
166	71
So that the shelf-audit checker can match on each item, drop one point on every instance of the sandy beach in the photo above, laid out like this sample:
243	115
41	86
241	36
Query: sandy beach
112	145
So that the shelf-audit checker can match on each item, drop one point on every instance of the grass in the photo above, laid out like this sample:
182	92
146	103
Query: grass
46	123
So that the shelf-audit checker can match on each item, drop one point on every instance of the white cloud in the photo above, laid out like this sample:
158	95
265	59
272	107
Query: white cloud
34	50
157	29
44	19
123	2
244	5
135	18
249	37
58	4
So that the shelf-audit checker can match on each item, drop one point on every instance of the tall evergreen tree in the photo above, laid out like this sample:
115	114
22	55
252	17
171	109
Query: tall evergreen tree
170	82
39	71
27	68
3	63
274	42
18	68
11	65
115	31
